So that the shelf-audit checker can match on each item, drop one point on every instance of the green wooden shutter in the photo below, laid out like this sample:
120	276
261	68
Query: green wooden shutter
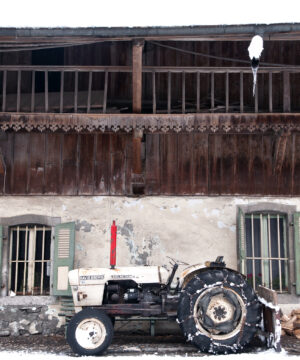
241	242
297	250
1	239
63	258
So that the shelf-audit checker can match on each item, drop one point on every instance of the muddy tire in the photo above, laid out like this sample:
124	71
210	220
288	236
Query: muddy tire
218	311
113	320
90	332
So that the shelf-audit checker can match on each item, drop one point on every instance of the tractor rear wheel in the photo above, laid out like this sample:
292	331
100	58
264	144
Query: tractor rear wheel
218	311
90	332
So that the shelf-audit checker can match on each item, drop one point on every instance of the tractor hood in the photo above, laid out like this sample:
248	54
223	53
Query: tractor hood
139	274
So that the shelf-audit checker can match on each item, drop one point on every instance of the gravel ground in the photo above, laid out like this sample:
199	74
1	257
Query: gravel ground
125	345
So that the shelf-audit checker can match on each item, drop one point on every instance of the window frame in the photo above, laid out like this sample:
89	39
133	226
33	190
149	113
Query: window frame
286	211
29	219
266	262
29	261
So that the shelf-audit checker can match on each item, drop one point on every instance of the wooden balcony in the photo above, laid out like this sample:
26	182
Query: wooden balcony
165	90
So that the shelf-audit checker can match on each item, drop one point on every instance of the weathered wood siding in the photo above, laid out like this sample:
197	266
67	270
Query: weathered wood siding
68	164
174	164
221	164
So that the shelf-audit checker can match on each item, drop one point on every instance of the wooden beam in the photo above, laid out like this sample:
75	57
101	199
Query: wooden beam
227	92
183	92
198	92
4	90
256	97
153	93
61	97
241	92
150	69
105	92
46	92
169	92
76	92
88	108
270	92
212	91
286	92
137	50
19	91
32	91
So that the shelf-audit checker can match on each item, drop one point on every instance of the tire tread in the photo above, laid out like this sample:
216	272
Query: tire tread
188	298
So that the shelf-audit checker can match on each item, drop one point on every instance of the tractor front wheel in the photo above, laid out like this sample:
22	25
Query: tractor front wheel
90	332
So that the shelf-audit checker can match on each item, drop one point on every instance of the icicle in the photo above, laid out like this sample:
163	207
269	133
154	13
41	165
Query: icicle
254	71
255	49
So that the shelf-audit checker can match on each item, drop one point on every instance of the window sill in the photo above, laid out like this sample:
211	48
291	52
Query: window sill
28	300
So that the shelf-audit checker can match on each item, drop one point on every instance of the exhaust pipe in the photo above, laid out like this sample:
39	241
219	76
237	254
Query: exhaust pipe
113	245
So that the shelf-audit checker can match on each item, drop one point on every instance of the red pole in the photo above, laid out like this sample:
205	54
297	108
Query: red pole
113	245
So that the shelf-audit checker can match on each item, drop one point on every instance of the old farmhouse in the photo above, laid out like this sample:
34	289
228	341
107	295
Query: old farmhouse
156	128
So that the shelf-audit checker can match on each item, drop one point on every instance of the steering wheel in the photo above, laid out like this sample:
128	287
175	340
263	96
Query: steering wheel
175	261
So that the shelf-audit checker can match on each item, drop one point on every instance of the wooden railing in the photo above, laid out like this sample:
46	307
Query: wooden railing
97	89
55	101
282	88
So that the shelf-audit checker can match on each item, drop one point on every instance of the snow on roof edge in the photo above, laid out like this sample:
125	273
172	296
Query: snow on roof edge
151	26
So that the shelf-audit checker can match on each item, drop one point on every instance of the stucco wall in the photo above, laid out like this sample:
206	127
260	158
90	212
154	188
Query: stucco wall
191	229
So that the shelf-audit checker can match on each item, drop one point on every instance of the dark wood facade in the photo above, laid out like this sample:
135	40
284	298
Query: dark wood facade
183	163
173	81
150	117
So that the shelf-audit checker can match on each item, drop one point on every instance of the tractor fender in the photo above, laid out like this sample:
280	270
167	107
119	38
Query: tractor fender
193	270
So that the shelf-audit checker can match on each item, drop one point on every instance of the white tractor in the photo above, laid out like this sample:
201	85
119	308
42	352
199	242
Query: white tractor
216	308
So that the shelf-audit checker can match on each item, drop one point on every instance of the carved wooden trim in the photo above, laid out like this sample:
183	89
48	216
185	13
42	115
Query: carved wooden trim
205	123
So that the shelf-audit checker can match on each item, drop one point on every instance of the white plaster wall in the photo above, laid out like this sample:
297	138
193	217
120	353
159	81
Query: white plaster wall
191	229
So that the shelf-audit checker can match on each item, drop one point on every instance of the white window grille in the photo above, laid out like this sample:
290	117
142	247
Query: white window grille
29	260
266	251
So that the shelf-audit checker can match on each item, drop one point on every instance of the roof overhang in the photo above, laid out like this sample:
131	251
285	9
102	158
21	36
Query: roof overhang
284	31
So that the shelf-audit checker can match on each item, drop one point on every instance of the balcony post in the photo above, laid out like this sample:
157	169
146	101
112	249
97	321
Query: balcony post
286	92
137	50
137	171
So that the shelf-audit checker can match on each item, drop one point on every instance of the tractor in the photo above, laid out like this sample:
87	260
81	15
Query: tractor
215	307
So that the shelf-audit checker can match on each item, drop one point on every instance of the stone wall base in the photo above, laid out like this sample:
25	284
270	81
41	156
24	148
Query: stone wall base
28	320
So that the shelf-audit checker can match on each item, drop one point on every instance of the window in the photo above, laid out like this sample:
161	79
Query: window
35	257
266	258
269	246
29	260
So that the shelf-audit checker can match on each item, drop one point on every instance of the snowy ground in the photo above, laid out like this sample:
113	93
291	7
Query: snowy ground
265	355
130	347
